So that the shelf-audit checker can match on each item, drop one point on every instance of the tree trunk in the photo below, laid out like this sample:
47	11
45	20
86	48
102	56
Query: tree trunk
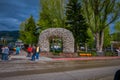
99	43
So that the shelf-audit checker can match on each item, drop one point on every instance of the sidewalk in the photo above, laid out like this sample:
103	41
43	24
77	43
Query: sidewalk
22	58
23	54
42	58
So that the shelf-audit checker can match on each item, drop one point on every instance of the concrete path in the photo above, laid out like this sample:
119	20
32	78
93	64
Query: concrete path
23	54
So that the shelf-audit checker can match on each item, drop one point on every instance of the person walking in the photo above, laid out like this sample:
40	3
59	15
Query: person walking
2	52
37	52
29	50
5	53
33	53
17	50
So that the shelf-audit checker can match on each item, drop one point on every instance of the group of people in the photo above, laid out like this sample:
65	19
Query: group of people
33	52
6	51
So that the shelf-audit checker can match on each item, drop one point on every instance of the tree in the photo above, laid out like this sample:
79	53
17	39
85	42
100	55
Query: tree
99	15
52	14
76	23
27	31
107	37
117	26
116	34
90	42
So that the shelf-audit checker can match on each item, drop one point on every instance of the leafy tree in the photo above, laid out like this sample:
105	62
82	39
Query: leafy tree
27	31
116	34
91	42
107	37
99	15
117	26
52	14
76	23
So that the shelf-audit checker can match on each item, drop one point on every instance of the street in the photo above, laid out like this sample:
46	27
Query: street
91	68
103	73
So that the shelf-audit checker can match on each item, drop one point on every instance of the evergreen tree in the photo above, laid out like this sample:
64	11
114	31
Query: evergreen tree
51	14
76	22
27	31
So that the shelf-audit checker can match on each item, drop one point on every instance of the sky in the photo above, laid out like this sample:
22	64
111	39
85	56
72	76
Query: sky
13	12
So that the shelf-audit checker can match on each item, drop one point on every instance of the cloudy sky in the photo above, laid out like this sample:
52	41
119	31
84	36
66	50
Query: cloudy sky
13	12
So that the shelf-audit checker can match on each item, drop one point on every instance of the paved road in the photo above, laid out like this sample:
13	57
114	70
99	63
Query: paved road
21	68
104	73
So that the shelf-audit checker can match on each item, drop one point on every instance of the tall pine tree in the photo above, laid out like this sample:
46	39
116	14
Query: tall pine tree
27	31
76	23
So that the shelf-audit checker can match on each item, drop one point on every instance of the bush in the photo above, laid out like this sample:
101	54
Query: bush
57	52
108	54
93	53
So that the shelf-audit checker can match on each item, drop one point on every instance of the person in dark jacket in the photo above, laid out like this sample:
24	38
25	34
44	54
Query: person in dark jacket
33	53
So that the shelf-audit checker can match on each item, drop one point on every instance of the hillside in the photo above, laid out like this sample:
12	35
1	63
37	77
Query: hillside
9	35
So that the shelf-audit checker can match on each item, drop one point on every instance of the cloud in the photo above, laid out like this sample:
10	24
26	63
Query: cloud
13	12
10	20
9	24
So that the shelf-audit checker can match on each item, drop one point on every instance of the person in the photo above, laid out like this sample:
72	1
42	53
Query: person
5	53
118	50
17	50
2	52
33	53
37	52
29	50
